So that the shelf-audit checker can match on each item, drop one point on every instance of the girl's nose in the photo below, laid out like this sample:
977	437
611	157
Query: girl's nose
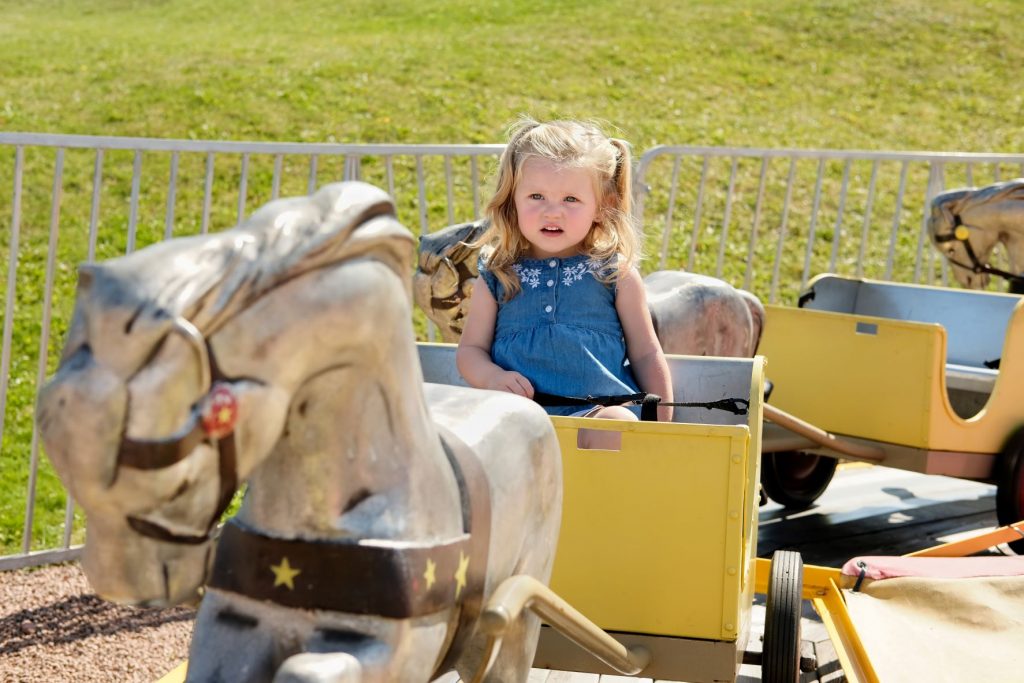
552	208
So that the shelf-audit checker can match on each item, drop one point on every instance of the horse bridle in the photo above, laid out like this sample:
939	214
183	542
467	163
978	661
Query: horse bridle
211	420
962	233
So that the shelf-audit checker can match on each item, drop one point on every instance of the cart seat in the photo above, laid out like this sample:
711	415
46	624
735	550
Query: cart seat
969	378
941	619
975	322
877	567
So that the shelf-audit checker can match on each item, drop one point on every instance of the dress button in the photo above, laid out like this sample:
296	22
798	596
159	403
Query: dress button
552	263
547	309
551	283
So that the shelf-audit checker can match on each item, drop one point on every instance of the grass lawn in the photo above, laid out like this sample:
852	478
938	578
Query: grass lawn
899	75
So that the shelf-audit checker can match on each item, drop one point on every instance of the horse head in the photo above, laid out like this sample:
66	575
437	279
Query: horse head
153	419
966	224
445	275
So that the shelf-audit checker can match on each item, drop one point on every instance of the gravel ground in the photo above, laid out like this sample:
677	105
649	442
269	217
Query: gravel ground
53	628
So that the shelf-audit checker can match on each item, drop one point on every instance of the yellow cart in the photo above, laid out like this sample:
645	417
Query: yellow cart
659	538
655	567
920	378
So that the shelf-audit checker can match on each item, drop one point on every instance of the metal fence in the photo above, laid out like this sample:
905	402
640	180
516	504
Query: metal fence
83	198
767	220
763	219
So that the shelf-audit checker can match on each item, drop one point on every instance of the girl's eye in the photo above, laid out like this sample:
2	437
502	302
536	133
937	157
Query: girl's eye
536	195
571	199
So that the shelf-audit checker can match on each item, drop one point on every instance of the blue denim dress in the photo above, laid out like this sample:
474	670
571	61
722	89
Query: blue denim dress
561	331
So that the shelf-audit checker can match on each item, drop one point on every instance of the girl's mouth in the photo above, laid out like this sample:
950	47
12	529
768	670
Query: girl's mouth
551	230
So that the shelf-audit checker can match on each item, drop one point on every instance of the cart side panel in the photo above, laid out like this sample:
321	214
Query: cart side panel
869	377
988	431
660	536
651	537
975	322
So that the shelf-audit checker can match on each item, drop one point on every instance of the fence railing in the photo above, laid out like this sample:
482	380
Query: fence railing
763	219
767	220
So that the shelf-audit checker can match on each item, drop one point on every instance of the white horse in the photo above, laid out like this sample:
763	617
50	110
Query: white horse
966	225
701	315
281	353
693	314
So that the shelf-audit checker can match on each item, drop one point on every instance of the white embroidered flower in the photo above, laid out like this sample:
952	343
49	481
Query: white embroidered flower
571	274
527	276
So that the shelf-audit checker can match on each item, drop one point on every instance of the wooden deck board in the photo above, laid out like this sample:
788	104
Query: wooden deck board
572	677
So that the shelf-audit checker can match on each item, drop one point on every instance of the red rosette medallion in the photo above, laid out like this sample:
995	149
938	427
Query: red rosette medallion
220	411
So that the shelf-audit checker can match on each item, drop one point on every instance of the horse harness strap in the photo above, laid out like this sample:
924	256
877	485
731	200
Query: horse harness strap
381	577
212	420
961	234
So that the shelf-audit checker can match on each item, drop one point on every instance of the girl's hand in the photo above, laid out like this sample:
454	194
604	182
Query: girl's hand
512	382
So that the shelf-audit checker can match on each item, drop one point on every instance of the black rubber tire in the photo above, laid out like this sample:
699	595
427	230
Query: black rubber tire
780	658
794	479
1010	485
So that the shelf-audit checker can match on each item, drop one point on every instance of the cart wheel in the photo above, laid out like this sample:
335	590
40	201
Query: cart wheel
780	659
794	479
1010	485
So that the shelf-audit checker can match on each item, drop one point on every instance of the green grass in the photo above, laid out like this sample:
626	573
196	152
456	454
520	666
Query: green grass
907	74
900	75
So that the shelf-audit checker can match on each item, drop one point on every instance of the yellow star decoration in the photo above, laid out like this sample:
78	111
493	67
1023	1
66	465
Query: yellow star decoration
460	574
224	416
429	575
284	574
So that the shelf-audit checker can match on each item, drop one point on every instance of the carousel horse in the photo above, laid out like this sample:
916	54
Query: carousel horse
966	225
703	316
380	512
693	314
445	274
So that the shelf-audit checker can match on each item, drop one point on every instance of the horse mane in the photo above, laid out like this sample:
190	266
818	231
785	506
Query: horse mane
209	278
955	202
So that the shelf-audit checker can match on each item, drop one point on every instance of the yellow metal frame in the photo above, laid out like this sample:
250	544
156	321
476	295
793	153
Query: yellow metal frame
660	536
888	385
822	586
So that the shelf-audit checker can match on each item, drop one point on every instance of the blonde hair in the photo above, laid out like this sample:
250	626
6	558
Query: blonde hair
574	144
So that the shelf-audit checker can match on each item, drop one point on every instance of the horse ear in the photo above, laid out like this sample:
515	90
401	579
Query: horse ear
944	209
360	219
86	276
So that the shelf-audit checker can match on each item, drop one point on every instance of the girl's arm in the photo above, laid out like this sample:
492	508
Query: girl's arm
473	357
642	346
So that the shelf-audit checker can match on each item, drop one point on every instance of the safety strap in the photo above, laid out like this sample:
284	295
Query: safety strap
648	403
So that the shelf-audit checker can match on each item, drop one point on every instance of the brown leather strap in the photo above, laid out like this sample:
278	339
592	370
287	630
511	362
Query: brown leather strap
156	454
394	579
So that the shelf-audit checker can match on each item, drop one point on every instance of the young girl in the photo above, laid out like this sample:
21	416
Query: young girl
560	306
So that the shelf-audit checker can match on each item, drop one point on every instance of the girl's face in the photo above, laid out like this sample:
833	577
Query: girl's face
557	206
